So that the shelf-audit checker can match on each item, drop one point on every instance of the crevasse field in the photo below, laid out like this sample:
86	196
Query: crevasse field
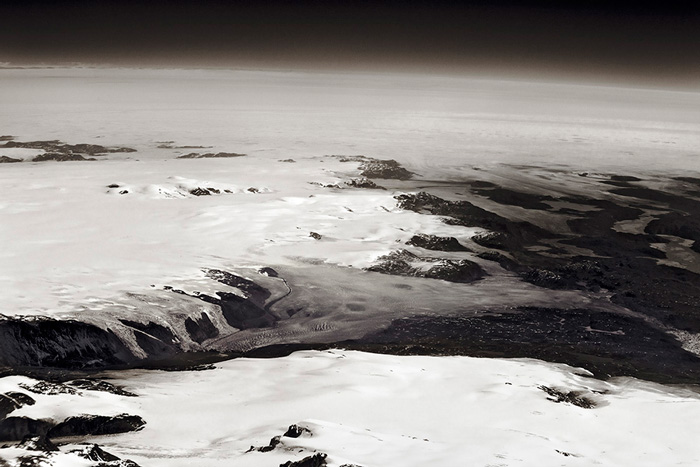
74	247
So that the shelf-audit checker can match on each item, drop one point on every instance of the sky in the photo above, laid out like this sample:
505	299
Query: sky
652	41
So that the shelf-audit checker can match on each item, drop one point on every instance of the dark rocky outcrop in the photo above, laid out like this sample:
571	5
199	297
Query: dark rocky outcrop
505	262
243	313
102	386
84	425
200	329
56	146
377	168
17	428
505	234
94	452
581	273
625	263
169	145
274	442
315	236
295	431
154	339
199	191
515	198
49	342
358	158
675	223
267	271
11	401
48	388
569	397
386	169
607	344
6	138
461	270
495	240
209	191
194	155
254	291
545	278
48	145
400	263
61	157
316	460
625	178
676	202
363	183
397	263
8	160
599	222
434	242
37	443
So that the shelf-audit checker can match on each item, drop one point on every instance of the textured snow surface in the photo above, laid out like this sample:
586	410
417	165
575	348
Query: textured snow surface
381	410
70	240
74	240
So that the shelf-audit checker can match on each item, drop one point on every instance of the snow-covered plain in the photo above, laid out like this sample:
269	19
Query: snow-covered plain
381	410
74	247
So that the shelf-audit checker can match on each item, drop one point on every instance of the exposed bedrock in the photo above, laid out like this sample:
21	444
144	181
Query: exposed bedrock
61	157
8	160
315	460
254	291
506	234
363	183
623	263
201	329
240	312
514	198
94	452
84	425
675	223
37	443
378	168
434	242
49	342
56	146
386	169
101	386
405	263
155	340
210	155
607	344
11	401
44	342
18	428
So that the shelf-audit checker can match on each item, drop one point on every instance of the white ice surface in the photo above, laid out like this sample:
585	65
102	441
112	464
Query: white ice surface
69	240
382	410
72	240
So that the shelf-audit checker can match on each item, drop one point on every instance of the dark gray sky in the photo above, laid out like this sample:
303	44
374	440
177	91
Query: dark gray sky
652	41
